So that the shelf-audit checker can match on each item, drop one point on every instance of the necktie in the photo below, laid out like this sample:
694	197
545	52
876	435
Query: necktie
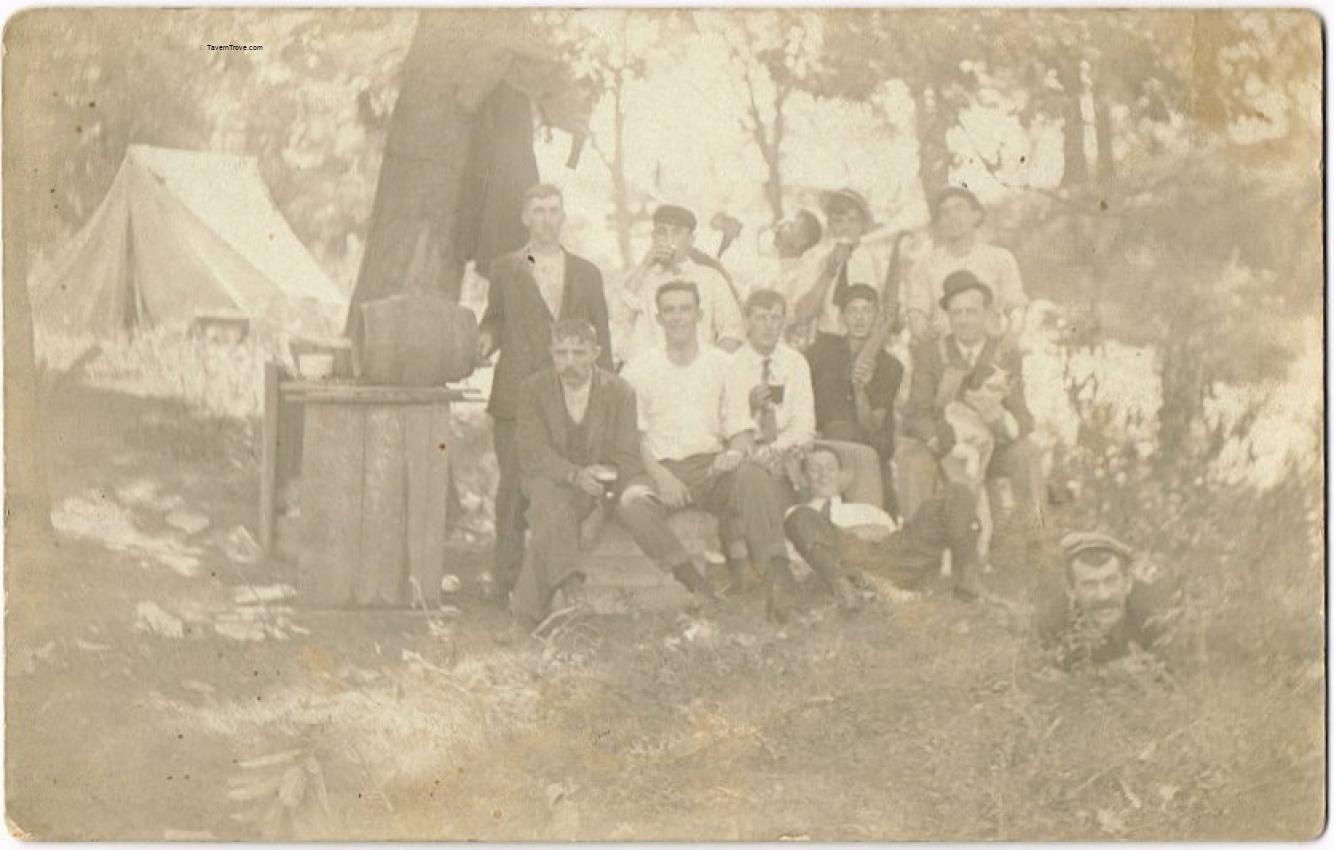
828	510
768	416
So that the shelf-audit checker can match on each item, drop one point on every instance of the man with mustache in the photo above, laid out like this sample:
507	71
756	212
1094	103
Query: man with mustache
531	289
1106	612
578	444
941	369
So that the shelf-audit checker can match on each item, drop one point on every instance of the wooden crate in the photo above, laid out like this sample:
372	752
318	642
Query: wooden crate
375	478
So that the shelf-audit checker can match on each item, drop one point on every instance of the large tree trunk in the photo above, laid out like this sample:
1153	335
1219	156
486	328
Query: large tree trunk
620	189
933	152
773	186
459	125
1102	133
1076	160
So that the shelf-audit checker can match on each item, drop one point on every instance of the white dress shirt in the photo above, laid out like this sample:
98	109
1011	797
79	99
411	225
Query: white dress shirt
687	410
971	352
721	317
787	367
851	514
548	270
576	400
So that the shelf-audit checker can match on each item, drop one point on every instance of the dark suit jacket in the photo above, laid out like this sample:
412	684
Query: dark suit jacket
612	432
520	323
924	417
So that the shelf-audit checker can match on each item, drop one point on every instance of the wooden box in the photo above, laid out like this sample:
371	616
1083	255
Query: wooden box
374	484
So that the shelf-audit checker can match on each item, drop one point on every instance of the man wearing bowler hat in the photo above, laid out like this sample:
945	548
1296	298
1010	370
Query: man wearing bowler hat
671	258
1105	611
941	367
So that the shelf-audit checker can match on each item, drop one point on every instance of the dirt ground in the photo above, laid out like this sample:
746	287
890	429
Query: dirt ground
134	710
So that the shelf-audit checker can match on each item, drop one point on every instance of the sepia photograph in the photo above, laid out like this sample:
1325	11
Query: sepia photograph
627	424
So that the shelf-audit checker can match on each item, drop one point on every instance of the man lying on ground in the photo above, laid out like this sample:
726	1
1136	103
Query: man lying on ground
696	433
1104	612
578	443
839	538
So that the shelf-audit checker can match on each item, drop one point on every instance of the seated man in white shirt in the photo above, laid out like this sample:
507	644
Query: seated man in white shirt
957	246
669	259
696	434
837	537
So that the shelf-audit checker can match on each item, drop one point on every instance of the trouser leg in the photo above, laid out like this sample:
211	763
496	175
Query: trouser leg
888	488
917	474
948	521
554	513
1021	462
816	538
510	524
750	494
644	516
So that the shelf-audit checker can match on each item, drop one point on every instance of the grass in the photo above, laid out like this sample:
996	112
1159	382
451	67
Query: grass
924	719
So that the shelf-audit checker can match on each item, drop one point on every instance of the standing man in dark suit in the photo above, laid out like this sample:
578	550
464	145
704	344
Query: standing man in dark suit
530	290
578	438
940	369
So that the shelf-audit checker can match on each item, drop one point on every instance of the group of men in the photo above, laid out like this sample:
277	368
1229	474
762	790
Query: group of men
712	406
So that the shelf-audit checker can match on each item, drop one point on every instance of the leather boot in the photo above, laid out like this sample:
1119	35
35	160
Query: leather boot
695	581
967	585
848	597
782	596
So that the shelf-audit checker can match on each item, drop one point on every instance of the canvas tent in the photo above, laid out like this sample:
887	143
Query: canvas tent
182	234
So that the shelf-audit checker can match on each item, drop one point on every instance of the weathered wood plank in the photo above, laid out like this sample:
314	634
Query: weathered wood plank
268	466
331	505
428	492
384	552
349	393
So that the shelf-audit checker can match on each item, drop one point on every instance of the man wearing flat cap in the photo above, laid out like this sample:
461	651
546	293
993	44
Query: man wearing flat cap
671	258
1106	612
941	370
957	216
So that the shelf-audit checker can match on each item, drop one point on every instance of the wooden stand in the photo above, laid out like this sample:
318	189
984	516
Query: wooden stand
374	469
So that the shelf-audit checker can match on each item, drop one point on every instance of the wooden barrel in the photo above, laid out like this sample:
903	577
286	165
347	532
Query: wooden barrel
415	339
